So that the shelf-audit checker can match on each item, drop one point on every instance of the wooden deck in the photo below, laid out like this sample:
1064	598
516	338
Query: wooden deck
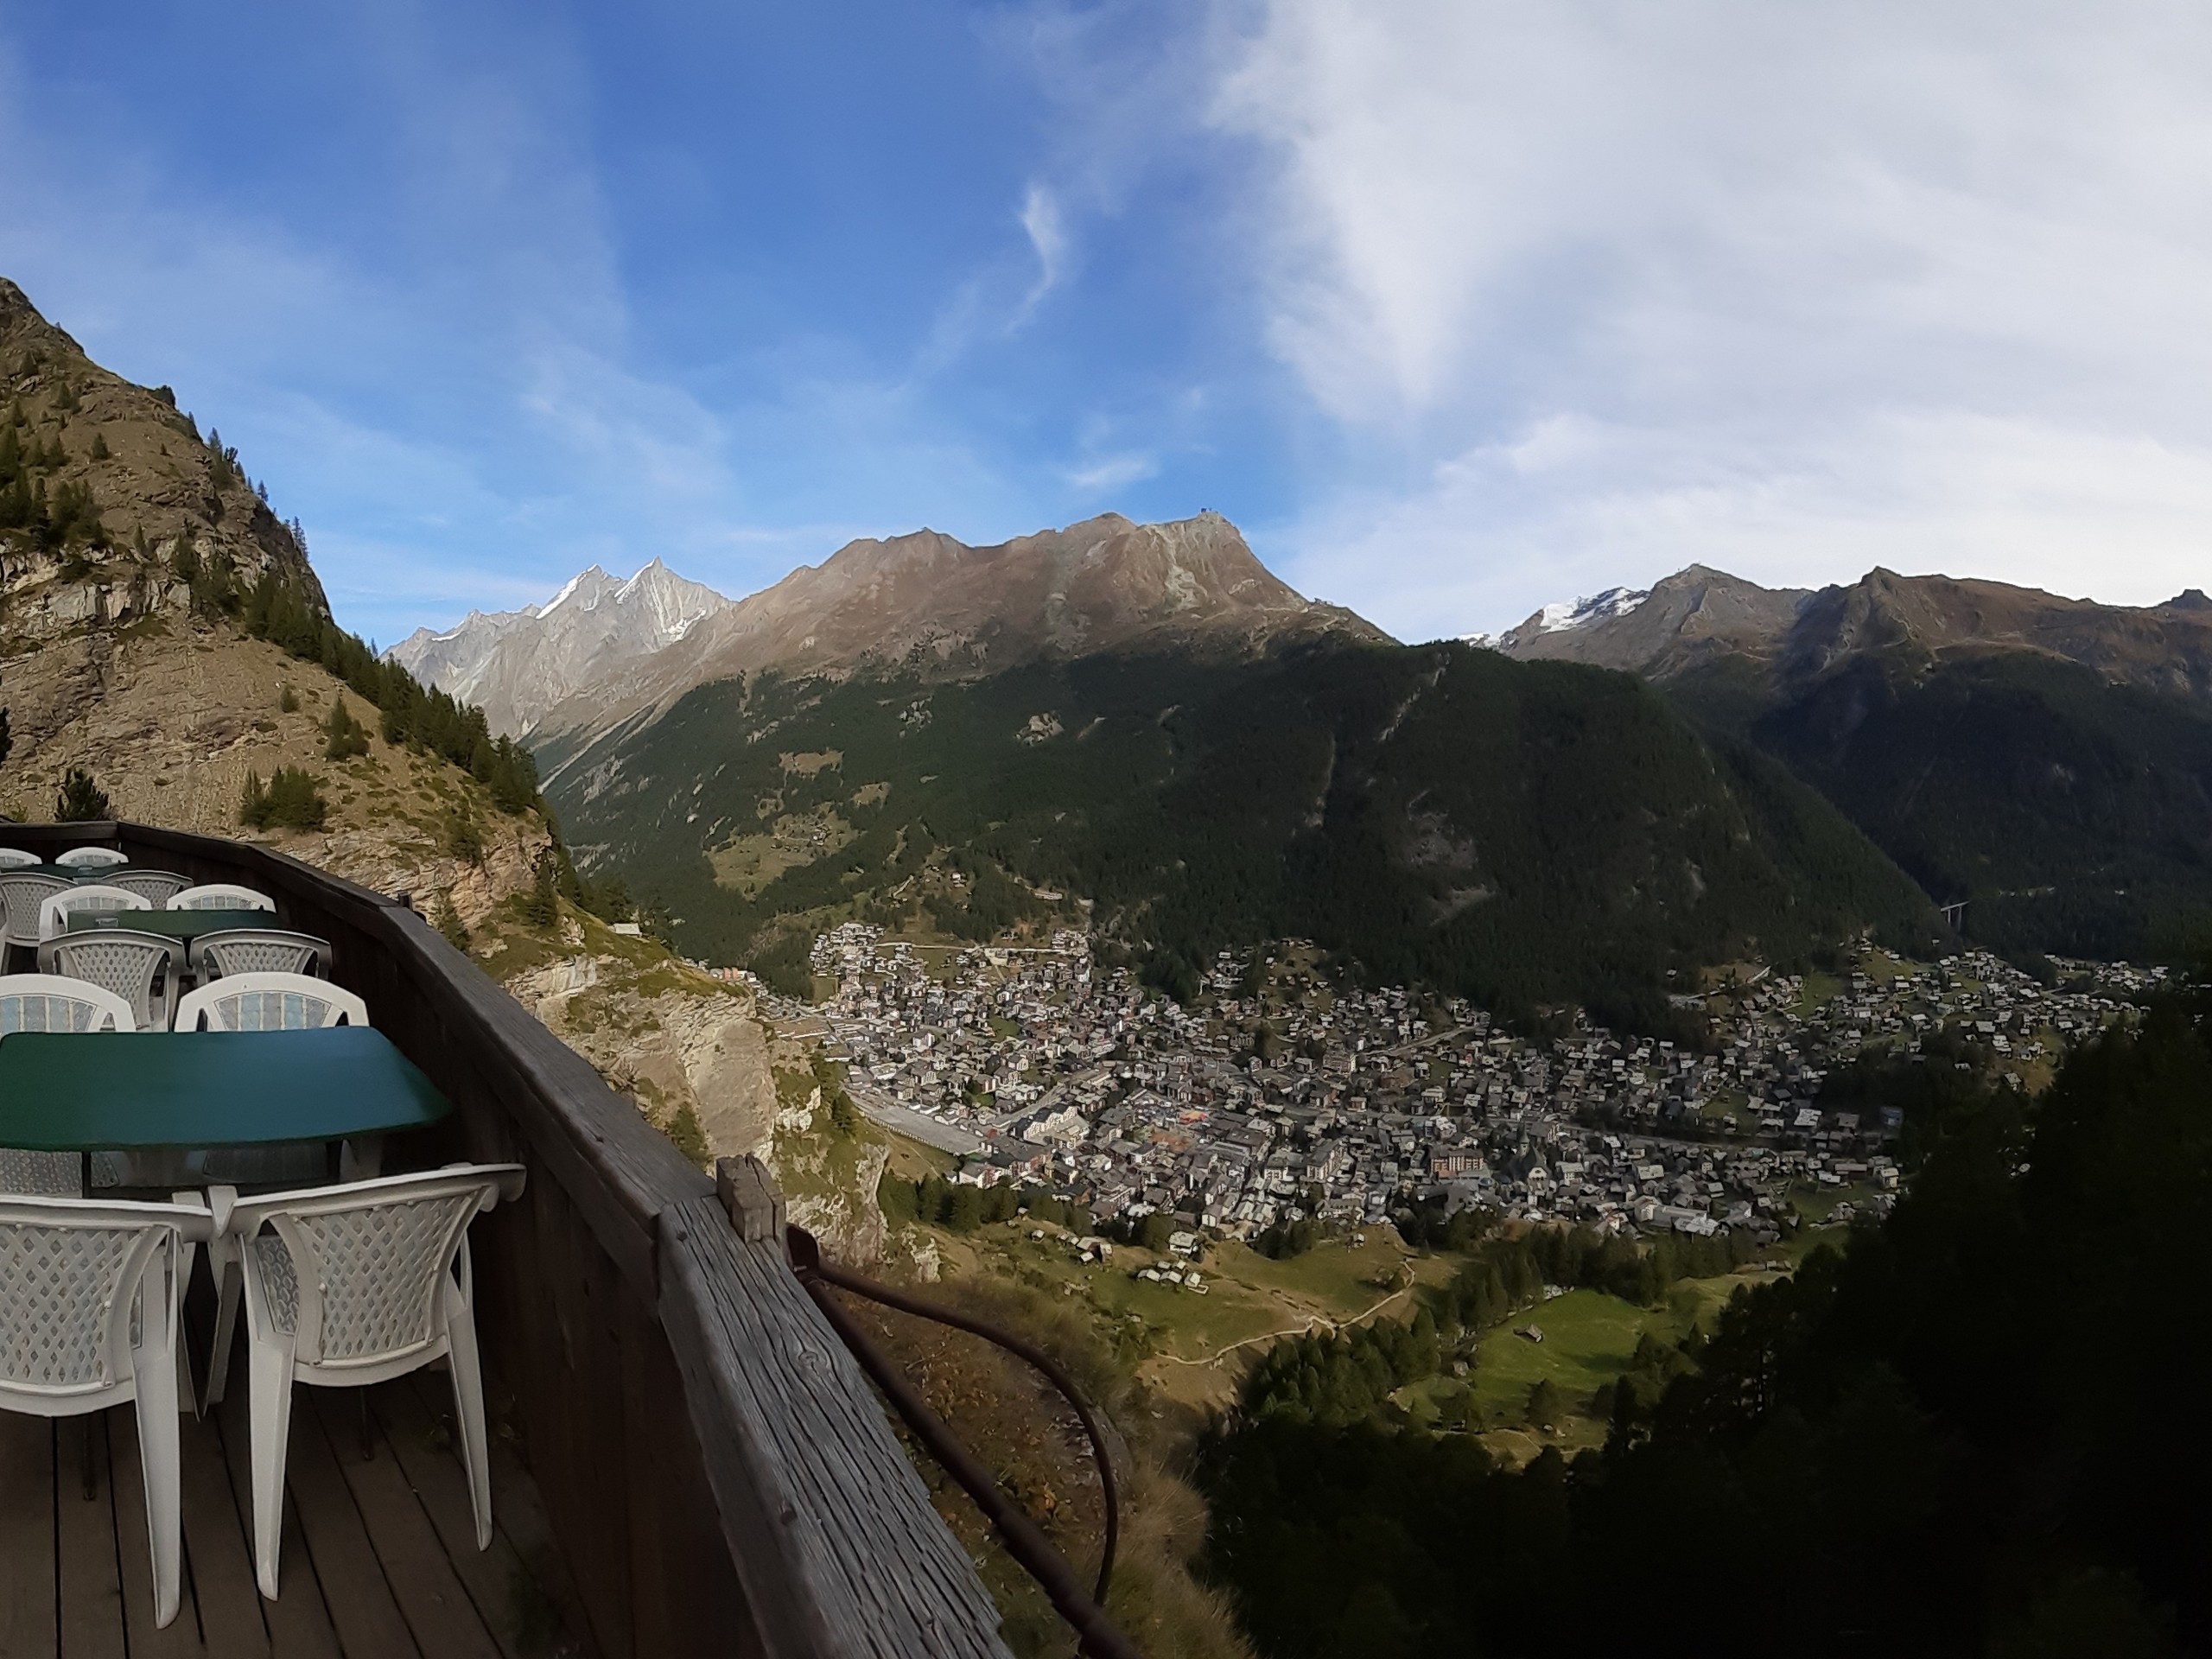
380	1559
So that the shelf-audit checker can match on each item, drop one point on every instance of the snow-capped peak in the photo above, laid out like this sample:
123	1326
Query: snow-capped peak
1598	608
1563	615
592	577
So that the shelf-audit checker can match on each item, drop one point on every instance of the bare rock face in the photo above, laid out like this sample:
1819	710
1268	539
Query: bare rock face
516	664
695	1055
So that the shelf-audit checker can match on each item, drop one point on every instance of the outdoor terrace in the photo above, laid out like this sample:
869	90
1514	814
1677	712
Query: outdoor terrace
688	1457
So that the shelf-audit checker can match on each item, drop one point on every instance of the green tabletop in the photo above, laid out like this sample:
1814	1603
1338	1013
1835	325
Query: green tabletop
186	925
63	1091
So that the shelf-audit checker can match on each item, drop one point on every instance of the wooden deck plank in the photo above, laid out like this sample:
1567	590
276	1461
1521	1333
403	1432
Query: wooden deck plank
180	1639
29	1623
218	1550
369	1623
522	1593
432	1598
91	1584
299	1621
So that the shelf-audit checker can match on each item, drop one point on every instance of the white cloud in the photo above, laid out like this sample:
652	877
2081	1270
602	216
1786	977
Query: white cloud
1588	291
1109	473
1048	239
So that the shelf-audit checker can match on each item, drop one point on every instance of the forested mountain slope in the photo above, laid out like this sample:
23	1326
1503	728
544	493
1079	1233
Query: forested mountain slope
2047	760
1526	833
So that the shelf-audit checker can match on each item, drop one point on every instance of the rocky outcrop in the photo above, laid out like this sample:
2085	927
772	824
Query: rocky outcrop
704	1066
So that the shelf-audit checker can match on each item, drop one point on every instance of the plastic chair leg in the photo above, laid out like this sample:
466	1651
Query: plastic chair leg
188	1397
468	1409
222	1259
159	1455
270	1382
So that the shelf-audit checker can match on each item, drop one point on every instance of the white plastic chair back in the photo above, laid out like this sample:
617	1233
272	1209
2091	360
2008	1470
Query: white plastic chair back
22	892
222	895
126	963
41	1174
270	1002
16	858
260	950
50	1002
156	887
351	1285
91	858
379	1256
87	898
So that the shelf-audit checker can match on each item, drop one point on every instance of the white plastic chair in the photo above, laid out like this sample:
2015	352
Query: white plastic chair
222	895
260	950
123	961
49	1002
270	1002
16	858
89	1294
351	1285
91	858
22	892
156	887
87	898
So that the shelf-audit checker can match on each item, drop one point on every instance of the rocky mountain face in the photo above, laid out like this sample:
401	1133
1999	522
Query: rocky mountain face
938	608
130	547
2048	760
517	665
112	502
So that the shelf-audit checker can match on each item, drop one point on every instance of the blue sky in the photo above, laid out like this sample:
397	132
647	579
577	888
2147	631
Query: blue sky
1456	308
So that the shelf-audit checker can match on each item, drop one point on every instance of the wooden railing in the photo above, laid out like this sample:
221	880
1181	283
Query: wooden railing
719	1474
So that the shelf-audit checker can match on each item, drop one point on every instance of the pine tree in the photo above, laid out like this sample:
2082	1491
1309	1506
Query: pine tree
345	737
81	800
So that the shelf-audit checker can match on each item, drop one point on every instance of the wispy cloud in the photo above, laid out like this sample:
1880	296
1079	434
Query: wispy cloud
1048	239
1111	473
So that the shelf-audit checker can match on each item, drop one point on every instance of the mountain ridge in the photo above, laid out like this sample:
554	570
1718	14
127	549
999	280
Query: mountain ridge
1699	612
922	598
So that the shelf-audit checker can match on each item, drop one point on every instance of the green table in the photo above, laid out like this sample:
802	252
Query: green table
63	1091
184	925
